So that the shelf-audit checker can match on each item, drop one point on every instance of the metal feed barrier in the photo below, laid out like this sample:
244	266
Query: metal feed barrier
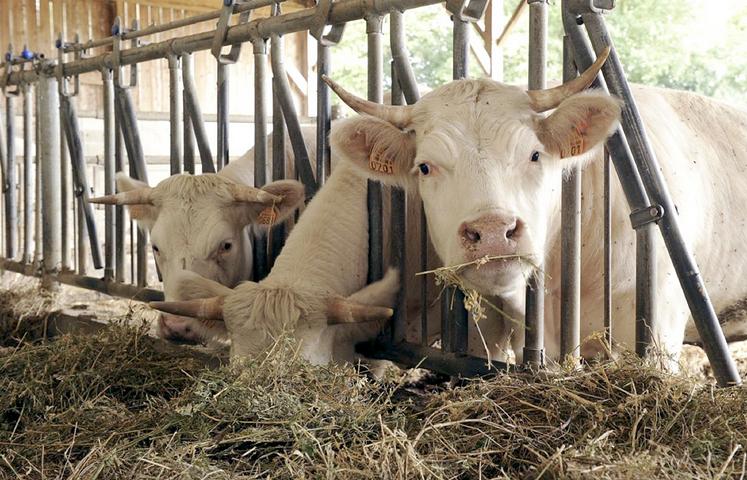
56	118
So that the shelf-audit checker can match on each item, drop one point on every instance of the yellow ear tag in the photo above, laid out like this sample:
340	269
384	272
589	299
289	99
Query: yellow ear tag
576	145
381	164
267	216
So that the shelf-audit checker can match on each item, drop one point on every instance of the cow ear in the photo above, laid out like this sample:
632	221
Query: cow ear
580	123
292	195
144	215
379	149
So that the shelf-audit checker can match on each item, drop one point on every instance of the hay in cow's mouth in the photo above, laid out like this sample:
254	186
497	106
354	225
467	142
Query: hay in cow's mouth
118	405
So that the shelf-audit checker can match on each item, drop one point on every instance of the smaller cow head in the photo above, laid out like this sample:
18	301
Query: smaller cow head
486	161
256	314
198	223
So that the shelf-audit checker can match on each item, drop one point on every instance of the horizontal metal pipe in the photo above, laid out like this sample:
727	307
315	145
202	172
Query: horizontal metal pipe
164	27
340	12
91	283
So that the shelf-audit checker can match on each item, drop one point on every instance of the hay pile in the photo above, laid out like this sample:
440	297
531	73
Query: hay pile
116	405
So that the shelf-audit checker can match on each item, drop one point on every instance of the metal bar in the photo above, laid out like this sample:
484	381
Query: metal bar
439	361
397	235
51	179
119	212
28	179
342	11
534	353
277	232
67	207
130	134
285	99
221	155
153	29
11	199
374	199
69	120
82	248
460	64
37	182
109	166
192	104
111	288
261	262
189	139
607	252
175	113
570	249
401	58
323	112
423	280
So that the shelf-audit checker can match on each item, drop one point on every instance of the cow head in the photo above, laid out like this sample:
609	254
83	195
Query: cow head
197	222
486	161
256	314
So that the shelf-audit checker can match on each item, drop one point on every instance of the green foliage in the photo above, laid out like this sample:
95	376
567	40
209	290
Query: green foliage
686	45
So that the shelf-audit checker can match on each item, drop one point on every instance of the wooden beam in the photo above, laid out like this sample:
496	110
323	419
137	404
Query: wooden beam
518	12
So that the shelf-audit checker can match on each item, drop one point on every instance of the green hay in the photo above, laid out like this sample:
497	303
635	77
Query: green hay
118	405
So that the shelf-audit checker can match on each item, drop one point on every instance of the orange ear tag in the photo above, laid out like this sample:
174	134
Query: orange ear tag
576	145
381	164
267	216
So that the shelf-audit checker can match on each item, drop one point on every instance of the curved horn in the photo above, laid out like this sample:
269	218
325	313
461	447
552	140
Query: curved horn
202	308
341	310
245	193
139	196
399	116
543	100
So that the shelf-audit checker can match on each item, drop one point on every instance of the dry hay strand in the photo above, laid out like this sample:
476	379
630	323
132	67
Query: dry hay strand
24	311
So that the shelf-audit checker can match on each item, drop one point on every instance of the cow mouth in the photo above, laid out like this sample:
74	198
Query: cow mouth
497	277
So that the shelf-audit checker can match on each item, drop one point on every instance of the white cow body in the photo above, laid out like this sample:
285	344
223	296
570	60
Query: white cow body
491	186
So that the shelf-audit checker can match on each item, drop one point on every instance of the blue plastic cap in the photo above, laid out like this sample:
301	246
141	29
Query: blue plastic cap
58	43
27	54
115	29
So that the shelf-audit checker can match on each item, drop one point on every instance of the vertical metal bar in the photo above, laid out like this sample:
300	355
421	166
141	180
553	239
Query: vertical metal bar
50	166
645	297
323	112
607	252
570	250
374	198
397	233
69	120
66	205
261	262
37	182
28	179
189	139
81	229
175	113
192	105
119	212
109	166
277	232
423	280
454	317
221	157
534	321
11	200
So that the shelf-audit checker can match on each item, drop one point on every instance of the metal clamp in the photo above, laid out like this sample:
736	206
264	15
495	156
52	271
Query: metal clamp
643	216
62	79
117	37
467	10
319	23
10	60
580	7
221	32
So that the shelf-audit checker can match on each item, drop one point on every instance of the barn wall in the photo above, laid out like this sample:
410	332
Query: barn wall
36	23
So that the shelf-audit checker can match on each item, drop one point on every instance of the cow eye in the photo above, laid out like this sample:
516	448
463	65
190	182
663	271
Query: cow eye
226	247
424	168
155	249
535	156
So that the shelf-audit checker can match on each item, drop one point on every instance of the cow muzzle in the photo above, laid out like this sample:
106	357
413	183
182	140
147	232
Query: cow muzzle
494	235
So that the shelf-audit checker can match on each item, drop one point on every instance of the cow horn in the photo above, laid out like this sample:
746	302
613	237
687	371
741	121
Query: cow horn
399	116
247	194
139	196
341	310
547	99
202	308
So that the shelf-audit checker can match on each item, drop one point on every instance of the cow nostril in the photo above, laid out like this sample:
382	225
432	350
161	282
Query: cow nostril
473	236
511	232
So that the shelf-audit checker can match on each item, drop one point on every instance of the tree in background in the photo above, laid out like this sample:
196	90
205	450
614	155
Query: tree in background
688	45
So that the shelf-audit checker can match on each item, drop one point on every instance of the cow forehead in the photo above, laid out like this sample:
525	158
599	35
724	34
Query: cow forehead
193	189
472	120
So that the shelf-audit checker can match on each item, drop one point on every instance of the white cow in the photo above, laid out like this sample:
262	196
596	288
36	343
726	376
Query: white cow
487	161
322	262
201	223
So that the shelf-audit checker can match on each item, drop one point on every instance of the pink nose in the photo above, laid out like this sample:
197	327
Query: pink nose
493	235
